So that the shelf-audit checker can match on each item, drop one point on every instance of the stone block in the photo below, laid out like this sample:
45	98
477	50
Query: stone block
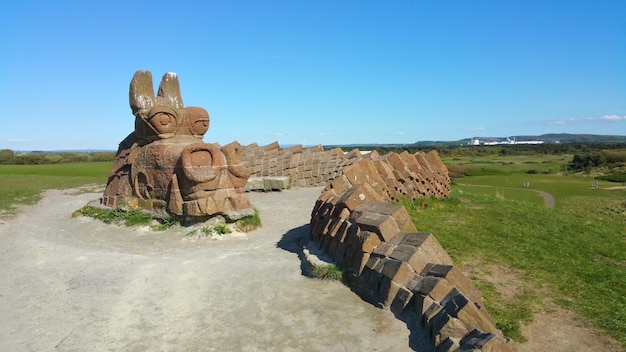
435	287
319	227
399	272
401	301
384	249
368	241
343	230
370	278
352	235
255	184
474	318
446	345
324	241
435	318
385	226
350	255
421	303
388	289
456	278
420	249
272	147
276	183
413	283
375	263
496	344
333	227
353	154
359	261
399	213
332	247
364	172
484	341
340	253
358	194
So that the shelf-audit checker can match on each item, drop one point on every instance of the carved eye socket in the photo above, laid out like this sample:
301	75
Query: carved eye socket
200	126
197	120
166	120
163	120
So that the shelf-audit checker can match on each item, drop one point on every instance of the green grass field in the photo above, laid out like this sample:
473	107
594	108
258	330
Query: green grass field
575	254
23	184
515	164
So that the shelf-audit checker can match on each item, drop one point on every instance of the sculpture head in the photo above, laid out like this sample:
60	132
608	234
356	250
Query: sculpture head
168	167
163	116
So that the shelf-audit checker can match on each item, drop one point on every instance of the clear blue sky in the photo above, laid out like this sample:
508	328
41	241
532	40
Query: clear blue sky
315	72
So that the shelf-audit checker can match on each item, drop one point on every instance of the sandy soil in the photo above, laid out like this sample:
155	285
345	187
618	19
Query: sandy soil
553	329
76	284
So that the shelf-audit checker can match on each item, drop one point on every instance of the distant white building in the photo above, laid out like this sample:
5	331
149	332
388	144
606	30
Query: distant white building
476	141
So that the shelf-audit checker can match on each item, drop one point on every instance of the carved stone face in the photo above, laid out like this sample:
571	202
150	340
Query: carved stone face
168	166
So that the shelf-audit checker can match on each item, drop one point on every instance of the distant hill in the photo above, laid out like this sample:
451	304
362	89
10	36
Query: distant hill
575	138
546	138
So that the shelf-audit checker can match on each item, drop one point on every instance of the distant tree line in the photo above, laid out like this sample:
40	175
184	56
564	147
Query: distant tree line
8	156
493	150
595	159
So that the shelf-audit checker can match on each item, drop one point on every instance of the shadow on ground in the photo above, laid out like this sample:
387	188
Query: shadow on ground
297	239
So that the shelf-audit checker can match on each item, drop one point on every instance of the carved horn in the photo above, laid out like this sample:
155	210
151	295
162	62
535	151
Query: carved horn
141	92
169	89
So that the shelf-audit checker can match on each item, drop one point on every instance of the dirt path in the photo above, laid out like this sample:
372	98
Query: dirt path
76	284
550	202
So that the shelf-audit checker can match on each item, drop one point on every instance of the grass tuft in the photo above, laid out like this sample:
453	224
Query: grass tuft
130	217
249	223
328	272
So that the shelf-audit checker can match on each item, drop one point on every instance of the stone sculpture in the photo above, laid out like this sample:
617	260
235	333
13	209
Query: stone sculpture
165	167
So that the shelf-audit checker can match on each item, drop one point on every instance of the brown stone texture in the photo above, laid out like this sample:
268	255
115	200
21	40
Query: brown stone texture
305	167
356	223
165	167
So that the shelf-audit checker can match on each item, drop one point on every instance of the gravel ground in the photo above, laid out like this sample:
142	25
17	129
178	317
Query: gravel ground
76	284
